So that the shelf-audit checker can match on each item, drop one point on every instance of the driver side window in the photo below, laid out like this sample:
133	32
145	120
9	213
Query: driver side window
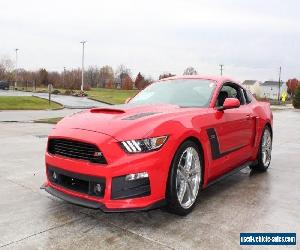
229	91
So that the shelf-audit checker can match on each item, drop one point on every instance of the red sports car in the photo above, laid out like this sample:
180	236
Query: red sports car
171	140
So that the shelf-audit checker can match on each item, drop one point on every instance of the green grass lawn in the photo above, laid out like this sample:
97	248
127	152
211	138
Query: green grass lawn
26	103
113	96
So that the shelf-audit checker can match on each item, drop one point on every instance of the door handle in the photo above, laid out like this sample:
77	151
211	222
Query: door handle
249	117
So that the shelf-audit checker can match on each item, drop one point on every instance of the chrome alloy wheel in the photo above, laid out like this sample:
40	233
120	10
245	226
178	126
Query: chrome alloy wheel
266	147
188	177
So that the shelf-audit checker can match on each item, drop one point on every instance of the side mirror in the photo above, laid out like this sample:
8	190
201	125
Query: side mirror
230	103
127	100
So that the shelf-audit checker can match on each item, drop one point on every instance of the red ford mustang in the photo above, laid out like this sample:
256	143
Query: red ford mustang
173	139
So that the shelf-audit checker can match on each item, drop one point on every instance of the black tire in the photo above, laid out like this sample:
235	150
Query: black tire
260	165
173	204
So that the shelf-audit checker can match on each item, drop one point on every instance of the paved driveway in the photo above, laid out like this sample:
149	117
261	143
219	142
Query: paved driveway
245	202
68	101
32	115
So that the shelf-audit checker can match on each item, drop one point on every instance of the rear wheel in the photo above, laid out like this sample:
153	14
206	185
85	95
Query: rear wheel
185	179
265	150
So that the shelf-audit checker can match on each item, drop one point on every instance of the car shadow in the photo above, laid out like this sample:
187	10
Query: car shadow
221	208
157	218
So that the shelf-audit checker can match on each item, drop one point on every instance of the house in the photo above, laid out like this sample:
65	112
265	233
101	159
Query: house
253	86
270	89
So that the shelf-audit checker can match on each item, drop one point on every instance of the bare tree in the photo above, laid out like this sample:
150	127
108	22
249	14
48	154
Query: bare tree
106	76
92	76
190	71
6	69
165	75
127	83
121	74
148	80
43	77
73	79
55	78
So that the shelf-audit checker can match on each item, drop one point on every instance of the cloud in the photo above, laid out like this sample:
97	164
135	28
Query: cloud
252	38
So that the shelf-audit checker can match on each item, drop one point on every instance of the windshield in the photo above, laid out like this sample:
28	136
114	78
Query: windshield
182	92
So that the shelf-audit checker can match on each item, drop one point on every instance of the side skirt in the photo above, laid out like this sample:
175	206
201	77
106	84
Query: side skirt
232	172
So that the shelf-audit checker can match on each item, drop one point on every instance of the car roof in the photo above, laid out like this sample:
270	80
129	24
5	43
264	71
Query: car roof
218	79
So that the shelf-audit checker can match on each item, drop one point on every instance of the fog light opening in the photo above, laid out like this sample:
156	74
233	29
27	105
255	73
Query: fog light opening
54	176
97	189
132	177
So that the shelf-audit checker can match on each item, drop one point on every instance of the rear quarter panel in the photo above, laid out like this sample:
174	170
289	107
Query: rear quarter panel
263	113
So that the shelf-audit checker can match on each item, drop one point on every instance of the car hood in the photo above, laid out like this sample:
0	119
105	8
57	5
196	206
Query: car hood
123	122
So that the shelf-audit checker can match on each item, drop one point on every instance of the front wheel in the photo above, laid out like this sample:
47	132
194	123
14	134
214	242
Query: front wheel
185	179
265	150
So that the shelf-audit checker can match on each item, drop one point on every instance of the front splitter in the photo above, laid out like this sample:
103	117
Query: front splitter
96	205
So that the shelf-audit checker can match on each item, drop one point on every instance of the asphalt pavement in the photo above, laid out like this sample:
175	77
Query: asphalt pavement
244	202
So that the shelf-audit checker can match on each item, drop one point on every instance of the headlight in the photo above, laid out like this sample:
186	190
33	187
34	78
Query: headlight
144	145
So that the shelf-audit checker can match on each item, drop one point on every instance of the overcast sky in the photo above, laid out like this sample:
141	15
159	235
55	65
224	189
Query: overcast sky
252	38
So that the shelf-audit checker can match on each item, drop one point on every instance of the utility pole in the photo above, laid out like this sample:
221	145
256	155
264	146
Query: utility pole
221	68
82	70
279	83
64	76
16	69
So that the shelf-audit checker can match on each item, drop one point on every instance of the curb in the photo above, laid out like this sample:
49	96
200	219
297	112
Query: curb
93	99
62	106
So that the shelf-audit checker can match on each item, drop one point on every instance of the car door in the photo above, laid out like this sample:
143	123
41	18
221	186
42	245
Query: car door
234	130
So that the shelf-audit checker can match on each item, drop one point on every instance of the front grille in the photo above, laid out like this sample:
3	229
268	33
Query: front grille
76	149
84	184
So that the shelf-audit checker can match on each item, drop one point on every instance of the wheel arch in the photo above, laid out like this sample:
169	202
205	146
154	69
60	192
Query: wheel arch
195	140
200	147
170	195
268	124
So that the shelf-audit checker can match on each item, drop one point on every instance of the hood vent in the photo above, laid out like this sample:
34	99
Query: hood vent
107	111
140	115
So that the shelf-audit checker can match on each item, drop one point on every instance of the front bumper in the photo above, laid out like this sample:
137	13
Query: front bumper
117	195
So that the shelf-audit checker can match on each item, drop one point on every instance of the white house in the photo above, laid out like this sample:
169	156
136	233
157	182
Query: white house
253	86
270	89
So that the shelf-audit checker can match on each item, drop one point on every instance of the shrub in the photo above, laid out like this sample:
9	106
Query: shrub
68	92
80	93
42	91
296	101
56	92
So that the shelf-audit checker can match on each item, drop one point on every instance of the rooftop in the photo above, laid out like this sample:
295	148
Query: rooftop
271	83
249	82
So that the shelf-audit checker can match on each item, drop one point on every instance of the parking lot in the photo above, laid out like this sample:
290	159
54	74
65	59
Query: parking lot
244	202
